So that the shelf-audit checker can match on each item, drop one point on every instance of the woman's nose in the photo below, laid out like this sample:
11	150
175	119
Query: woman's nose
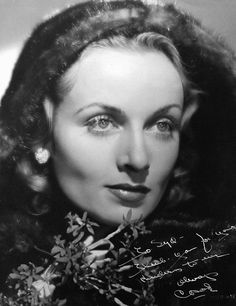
133	154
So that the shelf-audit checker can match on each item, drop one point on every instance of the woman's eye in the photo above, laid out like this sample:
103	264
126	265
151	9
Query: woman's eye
101	124
163	128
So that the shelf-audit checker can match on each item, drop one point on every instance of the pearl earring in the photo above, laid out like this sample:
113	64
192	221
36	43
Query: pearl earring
42	155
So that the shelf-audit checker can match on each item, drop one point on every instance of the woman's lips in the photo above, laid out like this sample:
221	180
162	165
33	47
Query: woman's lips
129	193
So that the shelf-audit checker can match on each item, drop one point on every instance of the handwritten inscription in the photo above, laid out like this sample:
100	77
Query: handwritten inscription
225	232
214	256
212	276
195	293
169	243
160	274
140	253
178	262
182	256
204	241
205	258
141	266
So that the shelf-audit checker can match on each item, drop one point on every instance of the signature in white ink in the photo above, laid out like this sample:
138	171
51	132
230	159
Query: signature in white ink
204	243
224	233
191	263
140	253
160	274
214	256
154	263
212	276
142	266
178	254
182	256
137	249
196	294
169	243
231	228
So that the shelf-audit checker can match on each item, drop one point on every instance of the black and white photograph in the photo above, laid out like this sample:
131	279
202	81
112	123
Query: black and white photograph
118	153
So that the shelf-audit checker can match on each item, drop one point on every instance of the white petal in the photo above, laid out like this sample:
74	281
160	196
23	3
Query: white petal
88	240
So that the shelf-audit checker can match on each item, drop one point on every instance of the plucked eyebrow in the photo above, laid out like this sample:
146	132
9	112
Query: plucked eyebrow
105	107
115	110
164	111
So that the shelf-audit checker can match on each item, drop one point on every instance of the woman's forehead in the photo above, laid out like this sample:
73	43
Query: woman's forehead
117	77
121	64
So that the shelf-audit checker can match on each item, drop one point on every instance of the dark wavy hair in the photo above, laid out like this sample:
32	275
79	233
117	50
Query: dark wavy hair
56	44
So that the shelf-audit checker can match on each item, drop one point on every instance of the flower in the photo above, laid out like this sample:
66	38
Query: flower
43	285
96	257
44	288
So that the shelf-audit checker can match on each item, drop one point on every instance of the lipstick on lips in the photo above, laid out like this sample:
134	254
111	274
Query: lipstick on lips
129	193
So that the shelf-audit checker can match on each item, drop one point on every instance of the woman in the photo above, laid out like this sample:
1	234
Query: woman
96	118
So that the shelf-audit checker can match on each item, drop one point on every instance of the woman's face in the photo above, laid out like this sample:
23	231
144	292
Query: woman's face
116	132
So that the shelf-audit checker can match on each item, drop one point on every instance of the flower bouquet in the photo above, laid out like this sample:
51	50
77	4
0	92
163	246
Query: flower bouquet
96	267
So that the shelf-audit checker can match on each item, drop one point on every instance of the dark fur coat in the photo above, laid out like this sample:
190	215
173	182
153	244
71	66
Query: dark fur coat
185	234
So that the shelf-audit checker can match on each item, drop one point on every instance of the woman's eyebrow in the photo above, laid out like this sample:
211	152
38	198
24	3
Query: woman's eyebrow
108	108
115	110
164	110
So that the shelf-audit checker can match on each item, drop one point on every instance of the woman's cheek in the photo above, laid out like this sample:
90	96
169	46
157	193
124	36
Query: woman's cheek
86	155
165	155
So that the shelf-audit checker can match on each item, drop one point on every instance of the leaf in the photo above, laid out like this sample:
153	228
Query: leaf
58	240
68	268
39	269
84	216
75	241
135	233
81	235
29	281
63	259
129	215
23	267
77	256
90	229
57	249
122	250
17	286
14	276
61	302
94	224
118	302
124	268
69	216
71	229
